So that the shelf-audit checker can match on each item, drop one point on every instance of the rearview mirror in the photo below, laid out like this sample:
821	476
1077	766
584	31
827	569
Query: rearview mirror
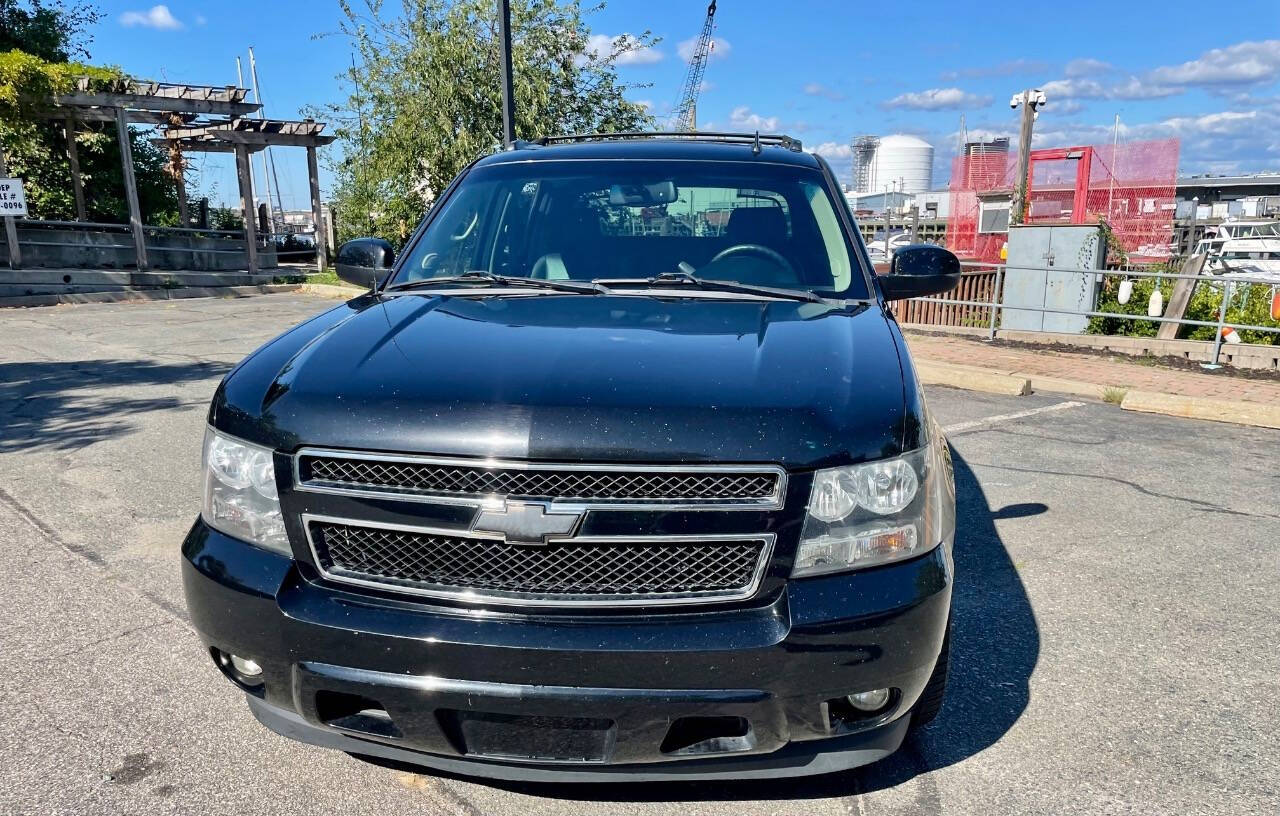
642	195
364	261
919	270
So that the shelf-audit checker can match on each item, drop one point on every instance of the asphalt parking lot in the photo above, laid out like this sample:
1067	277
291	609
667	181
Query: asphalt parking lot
1117	606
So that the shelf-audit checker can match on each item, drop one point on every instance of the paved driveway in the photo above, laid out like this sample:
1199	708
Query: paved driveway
1116	613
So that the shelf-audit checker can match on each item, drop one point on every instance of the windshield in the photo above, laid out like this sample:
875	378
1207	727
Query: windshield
752	223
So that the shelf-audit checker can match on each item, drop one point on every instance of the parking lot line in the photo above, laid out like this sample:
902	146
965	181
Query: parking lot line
960	427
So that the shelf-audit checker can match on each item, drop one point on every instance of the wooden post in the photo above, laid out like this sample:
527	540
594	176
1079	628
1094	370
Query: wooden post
313	177
1018	213
10	229
1183	288
73	158
131	190
246	208
177	171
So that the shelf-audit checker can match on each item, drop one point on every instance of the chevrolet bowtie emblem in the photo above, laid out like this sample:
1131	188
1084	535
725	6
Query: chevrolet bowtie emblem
526	523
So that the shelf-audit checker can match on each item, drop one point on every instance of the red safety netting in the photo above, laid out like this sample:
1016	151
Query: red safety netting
975	179
1131	186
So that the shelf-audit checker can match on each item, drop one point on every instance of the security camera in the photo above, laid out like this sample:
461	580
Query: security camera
1014	100
1041	99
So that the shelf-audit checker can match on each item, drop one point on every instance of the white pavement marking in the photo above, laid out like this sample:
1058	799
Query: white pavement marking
994	420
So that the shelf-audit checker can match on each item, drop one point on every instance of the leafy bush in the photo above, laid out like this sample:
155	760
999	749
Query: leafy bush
1248	305
35	147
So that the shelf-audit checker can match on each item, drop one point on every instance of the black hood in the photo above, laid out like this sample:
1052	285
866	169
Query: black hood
581	378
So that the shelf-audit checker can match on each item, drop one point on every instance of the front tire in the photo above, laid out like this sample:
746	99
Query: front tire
930	702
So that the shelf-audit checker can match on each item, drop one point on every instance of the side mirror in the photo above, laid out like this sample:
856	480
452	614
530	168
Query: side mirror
364	261
919	270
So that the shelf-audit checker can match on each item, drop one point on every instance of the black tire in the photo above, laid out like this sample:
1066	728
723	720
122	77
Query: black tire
930	702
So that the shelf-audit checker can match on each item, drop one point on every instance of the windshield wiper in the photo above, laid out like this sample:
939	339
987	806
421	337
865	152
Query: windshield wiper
481	276
714	285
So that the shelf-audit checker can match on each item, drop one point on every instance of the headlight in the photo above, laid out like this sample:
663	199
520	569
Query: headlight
240	496
869	514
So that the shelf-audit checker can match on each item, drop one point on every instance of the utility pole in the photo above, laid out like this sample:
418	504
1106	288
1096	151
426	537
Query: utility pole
1031	101
508	92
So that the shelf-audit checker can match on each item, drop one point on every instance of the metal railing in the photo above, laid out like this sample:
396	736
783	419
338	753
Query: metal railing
968	301
264	240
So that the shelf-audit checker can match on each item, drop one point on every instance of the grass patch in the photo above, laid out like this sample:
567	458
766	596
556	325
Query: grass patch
1114	395
327	277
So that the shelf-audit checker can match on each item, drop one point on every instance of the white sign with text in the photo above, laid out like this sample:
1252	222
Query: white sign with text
13	202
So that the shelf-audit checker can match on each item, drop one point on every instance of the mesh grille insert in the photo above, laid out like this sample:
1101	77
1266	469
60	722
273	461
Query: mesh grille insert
543	483
570	569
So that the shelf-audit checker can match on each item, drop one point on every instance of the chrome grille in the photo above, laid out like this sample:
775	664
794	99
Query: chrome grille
575	570
451	477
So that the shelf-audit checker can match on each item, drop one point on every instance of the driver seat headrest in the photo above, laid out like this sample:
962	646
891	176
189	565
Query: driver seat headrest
757	225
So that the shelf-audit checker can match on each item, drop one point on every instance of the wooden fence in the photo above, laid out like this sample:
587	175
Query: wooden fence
975	285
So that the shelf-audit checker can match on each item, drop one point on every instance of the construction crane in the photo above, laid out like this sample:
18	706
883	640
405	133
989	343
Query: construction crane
685	117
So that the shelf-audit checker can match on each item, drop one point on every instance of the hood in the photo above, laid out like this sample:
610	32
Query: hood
580	378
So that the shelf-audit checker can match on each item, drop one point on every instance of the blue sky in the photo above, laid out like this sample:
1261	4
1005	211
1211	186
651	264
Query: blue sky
822	71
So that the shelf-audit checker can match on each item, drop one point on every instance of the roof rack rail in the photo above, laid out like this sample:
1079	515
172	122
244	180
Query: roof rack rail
779	139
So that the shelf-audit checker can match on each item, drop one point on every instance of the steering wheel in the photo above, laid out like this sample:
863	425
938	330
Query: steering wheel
756	249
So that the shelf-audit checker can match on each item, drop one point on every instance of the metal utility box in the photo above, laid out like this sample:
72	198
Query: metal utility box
1032	279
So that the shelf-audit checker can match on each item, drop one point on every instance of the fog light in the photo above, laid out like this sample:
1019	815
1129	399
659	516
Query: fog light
245	666
869	700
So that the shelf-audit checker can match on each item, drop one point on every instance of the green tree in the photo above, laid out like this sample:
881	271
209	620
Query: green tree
425	98
36	39
54	32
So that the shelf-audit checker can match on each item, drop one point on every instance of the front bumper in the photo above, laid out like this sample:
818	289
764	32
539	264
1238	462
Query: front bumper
563	697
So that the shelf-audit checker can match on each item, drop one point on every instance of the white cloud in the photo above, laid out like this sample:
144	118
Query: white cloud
1219	141
741	118
1121	88
720	48
1007	68
201	19
938	99
835	151
1240	64
603	45
1245	63
1086	66
1224	123
155	17
818	89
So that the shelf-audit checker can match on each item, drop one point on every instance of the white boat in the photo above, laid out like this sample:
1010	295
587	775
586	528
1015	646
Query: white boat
1243	249
877	248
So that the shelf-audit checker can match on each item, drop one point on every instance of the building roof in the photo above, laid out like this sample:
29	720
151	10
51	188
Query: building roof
1256	180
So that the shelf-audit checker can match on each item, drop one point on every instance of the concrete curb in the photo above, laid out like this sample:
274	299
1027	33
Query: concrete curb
972	378
1061	385
1012	383
1255	414
330	290
139	295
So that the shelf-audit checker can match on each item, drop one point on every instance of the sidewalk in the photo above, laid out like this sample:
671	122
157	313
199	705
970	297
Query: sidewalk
972	363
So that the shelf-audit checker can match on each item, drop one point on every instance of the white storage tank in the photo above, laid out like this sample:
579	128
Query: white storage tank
903	163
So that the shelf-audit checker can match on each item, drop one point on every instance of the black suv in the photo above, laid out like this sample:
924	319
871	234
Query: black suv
620	471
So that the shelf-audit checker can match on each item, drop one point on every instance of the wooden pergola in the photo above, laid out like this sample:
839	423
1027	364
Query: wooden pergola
192	118
245	137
